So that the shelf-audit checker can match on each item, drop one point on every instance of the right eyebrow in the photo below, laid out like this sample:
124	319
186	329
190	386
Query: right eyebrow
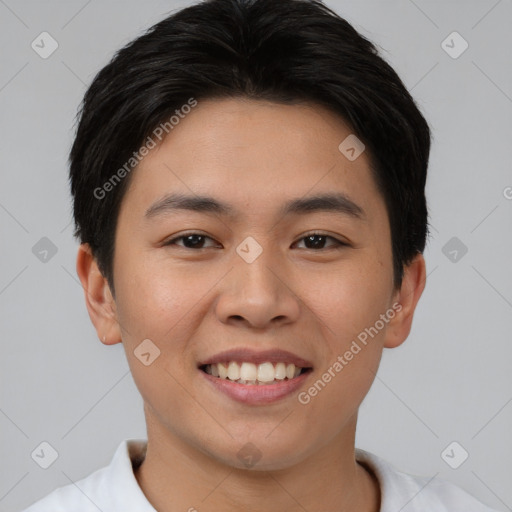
173	202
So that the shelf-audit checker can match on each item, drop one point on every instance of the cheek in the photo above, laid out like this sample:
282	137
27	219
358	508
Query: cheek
151	298
348	303
349	299
155	306
163	305
336	395
353	350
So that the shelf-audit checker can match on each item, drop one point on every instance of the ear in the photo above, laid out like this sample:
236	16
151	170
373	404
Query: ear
98	297
407	296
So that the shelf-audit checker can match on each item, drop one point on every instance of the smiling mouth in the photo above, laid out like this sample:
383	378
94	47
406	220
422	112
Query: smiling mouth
254	375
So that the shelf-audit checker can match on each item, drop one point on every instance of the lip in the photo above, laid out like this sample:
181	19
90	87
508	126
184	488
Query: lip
256	394
241	355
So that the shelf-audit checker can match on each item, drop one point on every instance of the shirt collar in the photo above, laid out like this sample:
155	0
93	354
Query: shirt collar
128	495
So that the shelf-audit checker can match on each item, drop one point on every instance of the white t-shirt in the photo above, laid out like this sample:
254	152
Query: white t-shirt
114	488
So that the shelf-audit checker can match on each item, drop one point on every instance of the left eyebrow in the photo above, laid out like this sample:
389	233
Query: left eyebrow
333	202
338	203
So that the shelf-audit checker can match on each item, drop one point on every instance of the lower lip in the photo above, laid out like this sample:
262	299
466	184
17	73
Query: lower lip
257	394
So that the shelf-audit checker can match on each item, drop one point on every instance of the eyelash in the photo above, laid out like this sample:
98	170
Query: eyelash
338	243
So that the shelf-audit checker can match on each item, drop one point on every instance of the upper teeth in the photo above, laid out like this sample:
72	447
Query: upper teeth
249	373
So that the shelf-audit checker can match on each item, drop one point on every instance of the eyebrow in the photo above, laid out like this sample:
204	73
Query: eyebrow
331	202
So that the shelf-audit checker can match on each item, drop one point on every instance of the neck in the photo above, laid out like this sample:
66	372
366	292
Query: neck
175	476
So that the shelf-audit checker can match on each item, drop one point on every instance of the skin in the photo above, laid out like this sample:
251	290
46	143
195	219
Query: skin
193	303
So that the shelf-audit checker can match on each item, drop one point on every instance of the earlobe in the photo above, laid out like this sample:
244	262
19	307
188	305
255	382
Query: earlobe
413	284
98	297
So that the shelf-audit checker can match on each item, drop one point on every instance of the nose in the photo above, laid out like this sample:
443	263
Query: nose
259	295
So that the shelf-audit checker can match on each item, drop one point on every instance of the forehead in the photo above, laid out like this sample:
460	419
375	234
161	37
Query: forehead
255	156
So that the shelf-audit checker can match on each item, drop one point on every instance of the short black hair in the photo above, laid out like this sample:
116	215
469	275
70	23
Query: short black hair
289	52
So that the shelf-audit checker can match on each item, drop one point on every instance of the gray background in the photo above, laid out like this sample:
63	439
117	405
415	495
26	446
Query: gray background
450	381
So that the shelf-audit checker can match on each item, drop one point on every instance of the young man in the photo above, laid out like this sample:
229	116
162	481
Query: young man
248	182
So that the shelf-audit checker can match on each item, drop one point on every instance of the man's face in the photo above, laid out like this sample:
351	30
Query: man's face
253	280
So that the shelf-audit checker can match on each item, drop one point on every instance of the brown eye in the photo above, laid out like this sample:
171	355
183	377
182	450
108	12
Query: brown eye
190	241
318	241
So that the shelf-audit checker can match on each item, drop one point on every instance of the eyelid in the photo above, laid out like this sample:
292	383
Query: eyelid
172	240
338	242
